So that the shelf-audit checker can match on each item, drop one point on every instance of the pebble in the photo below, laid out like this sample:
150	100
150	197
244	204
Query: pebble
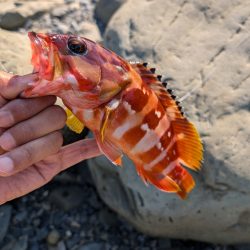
92	246
67	197
61	245
108	217
53	237
12	21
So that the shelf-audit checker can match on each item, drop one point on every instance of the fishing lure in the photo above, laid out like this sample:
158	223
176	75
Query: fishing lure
124	104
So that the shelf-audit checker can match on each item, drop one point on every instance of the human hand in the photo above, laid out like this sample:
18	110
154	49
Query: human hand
30	140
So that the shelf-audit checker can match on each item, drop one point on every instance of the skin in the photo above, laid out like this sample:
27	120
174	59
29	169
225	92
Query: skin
31	143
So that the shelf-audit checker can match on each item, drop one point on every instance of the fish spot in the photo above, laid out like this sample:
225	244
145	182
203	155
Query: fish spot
159	146
128	107
119	68
174	153
158	114
145	127
169	134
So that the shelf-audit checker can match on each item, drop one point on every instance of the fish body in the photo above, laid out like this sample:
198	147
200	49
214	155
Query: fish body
124	104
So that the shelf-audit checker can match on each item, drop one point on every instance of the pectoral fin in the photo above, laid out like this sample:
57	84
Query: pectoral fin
111	106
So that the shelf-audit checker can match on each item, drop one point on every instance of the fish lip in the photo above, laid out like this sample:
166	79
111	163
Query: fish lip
40	54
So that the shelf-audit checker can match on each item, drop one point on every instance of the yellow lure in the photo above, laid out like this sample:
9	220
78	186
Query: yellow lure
73	122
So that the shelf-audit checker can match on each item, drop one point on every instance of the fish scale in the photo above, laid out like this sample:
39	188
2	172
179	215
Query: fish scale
125	105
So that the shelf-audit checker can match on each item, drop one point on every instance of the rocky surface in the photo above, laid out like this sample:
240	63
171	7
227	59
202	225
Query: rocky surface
54	218
105	9
15	48
206	46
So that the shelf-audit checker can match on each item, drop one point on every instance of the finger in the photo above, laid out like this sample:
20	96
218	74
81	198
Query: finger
12	86
22	109
29	153
47	121
4	78
2	101
36	176
77	152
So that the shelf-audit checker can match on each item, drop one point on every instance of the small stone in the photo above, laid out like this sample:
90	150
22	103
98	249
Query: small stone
75	224
12	21
20	216
53	237
68	233
42	233
61	245
104	236
92	246
107	217
67	198
36	222
59	11
164	243
21	244
5	213
17	244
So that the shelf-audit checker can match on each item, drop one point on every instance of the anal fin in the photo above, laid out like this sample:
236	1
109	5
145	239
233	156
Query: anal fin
178	180
109	150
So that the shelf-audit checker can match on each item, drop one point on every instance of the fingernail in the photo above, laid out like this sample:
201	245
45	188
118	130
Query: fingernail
6	165
7	141
6	119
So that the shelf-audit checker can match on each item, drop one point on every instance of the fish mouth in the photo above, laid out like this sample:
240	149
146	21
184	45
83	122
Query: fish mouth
42	55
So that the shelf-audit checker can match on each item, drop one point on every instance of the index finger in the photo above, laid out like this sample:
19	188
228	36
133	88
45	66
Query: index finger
11	86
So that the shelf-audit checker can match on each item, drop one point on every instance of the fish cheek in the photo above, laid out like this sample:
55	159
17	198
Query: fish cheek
87	72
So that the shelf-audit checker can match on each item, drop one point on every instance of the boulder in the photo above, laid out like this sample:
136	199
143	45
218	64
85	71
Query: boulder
105	9
90	30
15	52
203	46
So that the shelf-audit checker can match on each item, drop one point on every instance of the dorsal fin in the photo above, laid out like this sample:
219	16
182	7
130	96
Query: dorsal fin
153	80
188	140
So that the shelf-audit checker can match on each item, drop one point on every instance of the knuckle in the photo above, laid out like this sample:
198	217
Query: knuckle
27	154
58	138
17	109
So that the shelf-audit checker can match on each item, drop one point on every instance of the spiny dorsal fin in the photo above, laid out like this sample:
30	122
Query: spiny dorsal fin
153	80
188	140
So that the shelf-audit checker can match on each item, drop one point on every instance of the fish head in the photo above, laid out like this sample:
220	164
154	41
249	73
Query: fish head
66	63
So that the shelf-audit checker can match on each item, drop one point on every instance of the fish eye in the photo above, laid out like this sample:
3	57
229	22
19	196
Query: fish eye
77	46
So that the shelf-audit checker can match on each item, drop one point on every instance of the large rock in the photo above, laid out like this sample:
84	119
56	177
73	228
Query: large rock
205	44
15	52
106	8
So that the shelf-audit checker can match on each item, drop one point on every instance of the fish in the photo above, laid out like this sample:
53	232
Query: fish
125	104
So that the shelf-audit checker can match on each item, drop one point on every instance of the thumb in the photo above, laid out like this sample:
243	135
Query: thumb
12	85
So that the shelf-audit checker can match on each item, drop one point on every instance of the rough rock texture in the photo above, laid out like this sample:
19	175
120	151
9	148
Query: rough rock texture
106	8
15	48
14	14
204	45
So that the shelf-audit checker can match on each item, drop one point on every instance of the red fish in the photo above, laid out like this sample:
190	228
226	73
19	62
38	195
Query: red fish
125	105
